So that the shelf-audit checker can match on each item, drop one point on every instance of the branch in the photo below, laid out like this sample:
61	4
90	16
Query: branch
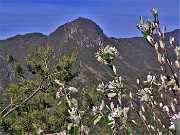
5	108
166	54
23	102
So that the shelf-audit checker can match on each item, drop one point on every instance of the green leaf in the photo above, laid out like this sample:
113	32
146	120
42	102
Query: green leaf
74	102
106	120
123	88
128	97
105	56
72	89
69	103
58	82
110	52
129	129
76	130
97	120
145	34
106	48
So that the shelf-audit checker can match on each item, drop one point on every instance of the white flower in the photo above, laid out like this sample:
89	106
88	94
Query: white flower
166	108
111	118
100	87
114	50
39	131
57	94
72	111
112	85
151	79
94	110
74	116
176	116
172	126
115	112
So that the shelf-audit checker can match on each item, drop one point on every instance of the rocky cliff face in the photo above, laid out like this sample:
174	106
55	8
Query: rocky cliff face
136	58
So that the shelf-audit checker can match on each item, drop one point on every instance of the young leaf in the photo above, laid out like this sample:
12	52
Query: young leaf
70	126
161	44
110	95
58	82
164	29
114	69
112	106
177	64
171	40
141	20
97	120
74	102
102	105
72	89
154	12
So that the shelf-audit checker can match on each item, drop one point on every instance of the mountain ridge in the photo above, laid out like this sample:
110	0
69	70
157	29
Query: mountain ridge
136	58
177	31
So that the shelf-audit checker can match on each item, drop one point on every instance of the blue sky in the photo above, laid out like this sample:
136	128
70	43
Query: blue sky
117	18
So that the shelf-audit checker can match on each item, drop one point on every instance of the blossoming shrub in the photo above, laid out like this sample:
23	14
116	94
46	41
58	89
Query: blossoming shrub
46	102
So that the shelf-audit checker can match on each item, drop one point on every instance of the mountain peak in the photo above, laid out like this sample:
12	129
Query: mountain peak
80	24
84	31
82	20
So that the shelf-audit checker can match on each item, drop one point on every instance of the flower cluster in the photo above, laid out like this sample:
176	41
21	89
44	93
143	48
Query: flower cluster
147	29
117	114
112	88
75	117
111	85
106	55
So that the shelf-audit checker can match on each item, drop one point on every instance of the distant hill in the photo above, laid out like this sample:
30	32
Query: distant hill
136	58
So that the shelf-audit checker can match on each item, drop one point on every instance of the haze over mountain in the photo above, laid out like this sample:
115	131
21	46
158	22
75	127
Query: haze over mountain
136	58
